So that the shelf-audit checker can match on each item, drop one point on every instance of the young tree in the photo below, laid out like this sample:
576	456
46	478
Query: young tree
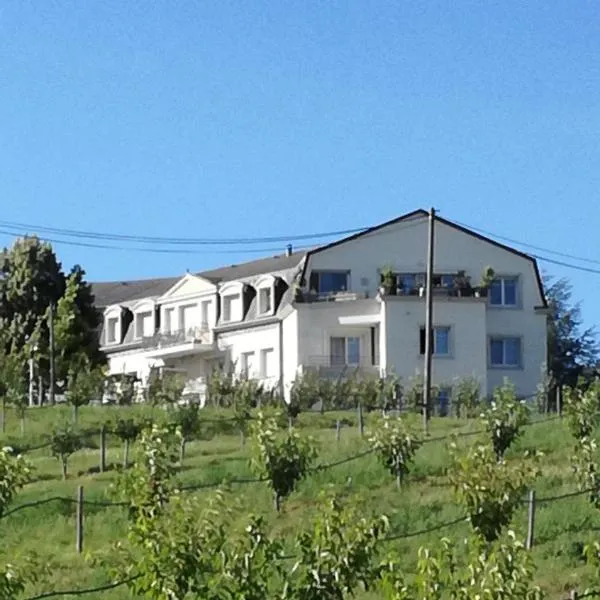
14	384
505	418
571	348
466	397
282	460
336	556
164	389
63	443
490	490
121	389
85	382
15	472
127	430
501	571
395	446
187	420
245	398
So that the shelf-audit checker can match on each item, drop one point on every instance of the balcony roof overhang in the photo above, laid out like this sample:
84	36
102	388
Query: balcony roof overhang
359	320
177	350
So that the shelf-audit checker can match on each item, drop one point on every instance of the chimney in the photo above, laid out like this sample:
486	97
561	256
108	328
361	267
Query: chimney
288	250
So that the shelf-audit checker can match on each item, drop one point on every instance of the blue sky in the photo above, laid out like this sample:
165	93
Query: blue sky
250	119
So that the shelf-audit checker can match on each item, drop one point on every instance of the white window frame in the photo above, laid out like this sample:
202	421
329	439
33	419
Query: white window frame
266	282
205	323
346	361
434	353
502	279
114	313
320	272
263	362
229	291
504	365
244	363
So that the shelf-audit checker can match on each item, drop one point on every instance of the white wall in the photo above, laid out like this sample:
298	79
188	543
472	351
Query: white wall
290	351
403	247
466	317
319	321
131	362
253	339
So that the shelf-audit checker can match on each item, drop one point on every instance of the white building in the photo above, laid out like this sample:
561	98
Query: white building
324	310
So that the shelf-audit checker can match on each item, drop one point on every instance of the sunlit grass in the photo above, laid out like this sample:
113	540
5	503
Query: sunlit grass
426	501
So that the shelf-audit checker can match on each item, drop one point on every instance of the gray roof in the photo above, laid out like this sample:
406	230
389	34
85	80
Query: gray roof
123	292
107	293
271	264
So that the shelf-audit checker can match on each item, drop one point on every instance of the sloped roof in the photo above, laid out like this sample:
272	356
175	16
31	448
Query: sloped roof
121	292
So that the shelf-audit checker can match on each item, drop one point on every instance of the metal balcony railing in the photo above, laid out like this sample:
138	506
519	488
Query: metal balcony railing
331	368
163	339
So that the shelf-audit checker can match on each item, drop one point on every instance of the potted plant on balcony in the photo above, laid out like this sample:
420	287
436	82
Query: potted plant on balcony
462	284
388	281
487	277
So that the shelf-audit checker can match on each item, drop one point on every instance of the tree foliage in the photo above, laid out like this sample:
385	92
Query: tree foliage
63	443
85	383
490	490
127	430
504	418
283	459
337	555
500	571
395	445
33	280
15	472
571	348
164	389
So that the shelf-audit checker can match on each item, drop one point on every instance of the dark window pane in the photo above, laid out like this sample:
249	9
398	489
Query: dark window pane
512	352
422	340
497	352
337	351
334	281
496	293
353	345
510	292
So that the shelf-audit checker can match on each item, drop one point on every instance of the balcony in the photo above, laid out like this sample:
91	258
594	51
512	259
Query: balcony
329	296
439	290
178	343
325	367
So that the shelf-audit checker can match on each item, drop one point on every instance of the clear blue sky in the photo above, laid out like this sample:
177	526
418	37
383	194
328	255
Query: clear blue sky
247	119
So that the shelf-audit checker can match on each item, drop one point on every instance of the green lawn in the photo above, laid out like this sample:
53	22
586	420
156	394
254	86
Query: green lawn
424	503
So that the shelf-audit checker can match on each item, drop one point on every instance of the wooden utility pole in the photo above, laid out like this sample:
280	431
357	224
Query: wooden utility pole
51	340
428	320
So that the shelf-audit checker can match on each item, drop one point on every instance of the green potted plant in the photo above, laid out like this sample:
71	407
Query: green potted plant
462	284
388	281
487	277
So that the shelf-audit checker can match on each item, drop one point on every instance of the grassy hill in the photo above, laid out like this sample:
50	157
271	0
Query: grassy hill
418	512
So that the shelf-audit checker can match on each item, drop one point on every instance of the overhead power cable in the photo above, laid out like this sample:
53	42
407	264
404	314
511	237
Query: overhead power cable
174	240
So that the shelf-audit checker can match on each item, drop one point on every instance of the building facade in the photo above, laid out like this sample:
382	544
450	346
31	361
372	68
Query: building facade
325	310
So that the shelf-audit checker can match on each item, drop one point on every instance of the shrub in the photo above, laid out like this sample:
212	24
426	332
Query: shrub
63	443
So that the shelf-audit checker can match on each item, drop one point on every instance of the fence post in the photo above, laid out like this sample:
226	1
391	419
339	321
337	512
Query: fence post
338	427
361	424
79	521
574	595
102	449
559	400
530	520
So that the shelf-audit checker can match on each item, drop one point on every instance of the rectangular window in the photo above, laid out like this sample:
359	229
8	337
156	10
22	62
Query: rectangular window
265	300
111	330
344	351
503	291
248	366
324	282
144	324
229	306
505	352
187	317
440	339
267	362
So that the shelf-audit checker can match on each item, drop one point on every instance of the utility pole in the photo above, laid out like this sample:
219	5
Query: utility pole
51	343
428	320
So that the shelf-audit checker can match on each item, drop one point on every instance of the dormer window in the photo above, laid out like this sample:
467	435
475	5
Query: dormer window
144	324
229	303
232	308
112	326
265	300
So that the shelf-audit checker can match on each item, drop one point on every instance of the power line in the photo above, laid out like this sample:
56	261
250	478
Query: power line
174	240
527	245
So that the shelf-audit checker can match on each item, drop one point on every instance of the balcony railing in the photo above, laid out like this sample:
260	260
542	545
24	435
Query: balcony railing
330	296
174	338
454	292
326	367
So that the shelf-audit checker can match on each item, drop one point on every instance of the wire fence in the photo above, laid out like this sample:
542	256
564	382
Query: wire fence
316	469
